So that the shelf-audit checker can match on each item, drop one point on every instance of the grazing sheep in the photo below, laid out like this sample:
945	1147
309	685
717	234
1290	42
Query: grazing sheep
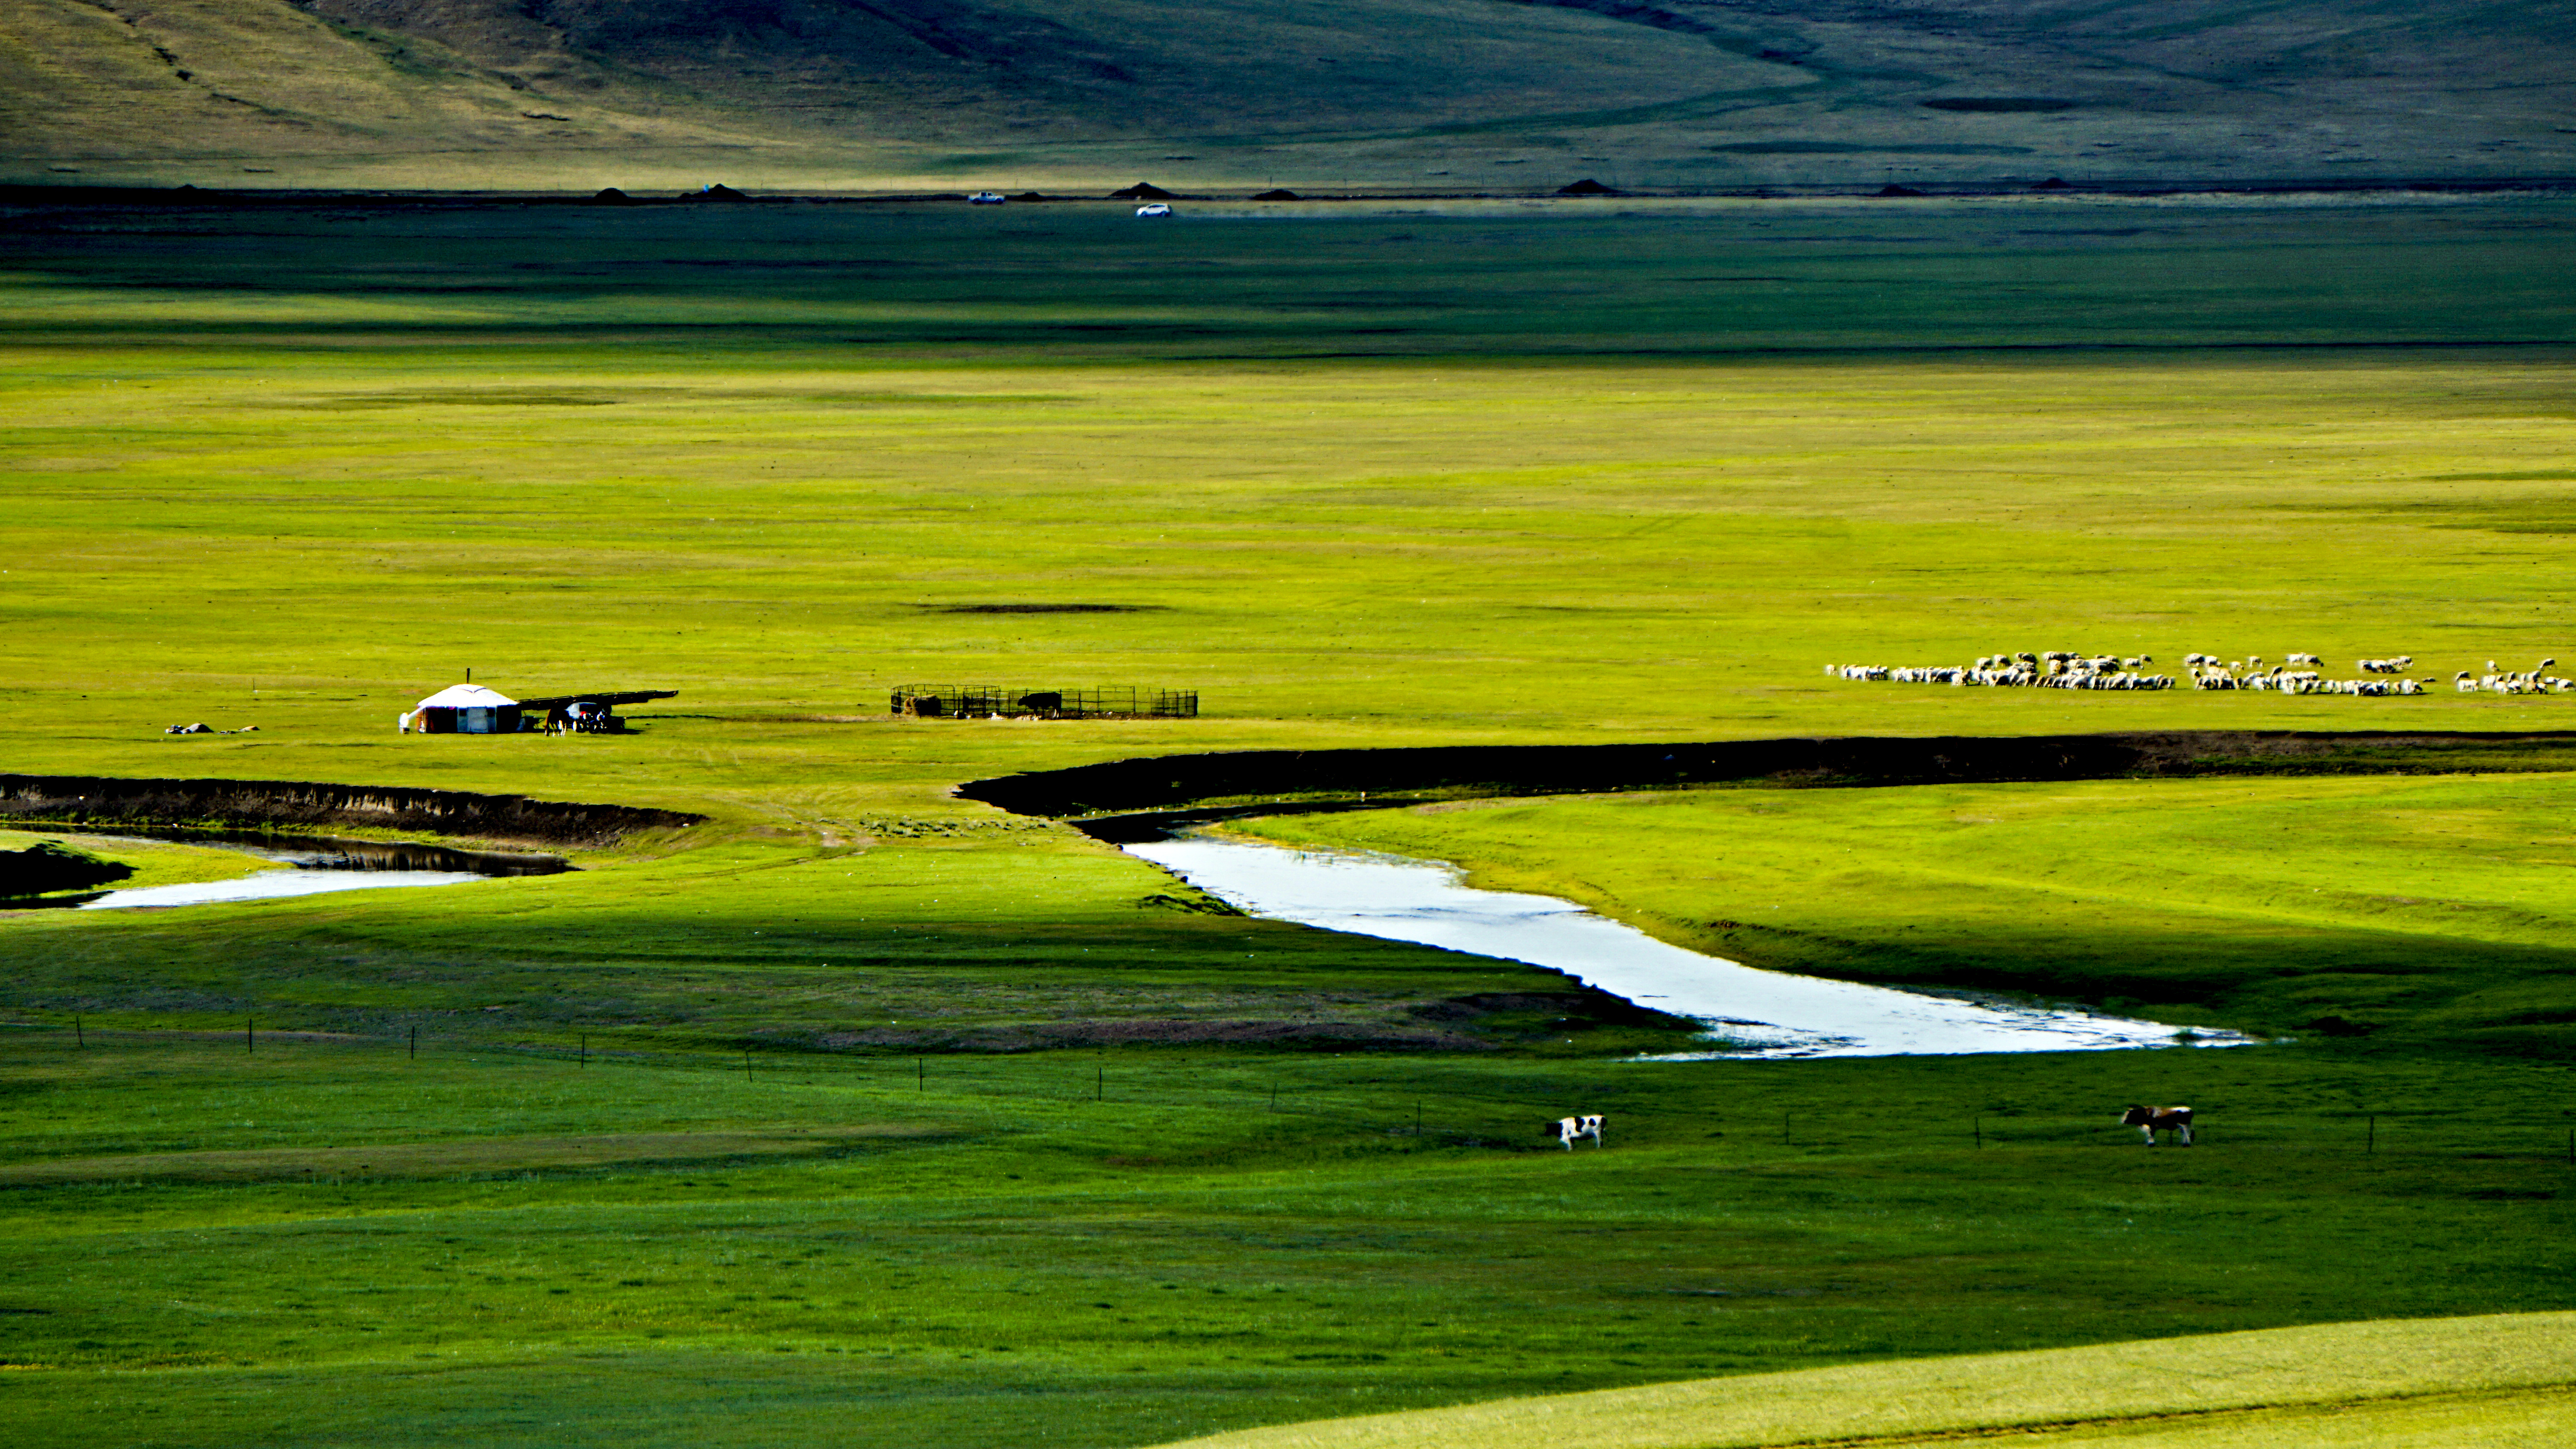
2300	673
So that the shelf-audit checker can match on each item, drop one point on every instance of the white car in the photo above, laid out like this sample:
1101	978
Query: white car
1154	208
986	198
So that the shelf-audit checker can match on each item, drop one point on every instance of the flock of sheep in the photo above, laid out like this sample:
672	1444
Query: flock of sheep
2295	674
2055	669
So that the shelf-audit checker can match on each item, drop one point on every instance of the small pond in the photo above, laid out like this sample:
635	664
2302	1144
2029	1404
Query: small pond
312	865
1751	1012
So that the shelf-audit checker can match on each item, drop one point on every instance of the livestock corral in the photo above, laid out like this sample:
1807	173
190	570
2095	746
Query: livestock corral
2297	673
994	701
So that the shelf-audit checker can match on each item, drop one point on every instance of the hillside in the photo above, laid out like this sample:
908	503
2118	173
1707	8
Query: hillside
1430	94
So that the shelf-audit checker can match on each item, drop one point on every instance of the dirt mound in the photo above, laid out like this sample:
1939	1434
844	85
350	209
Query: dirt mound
717	192
1143	191
611	196
2054	183
1282	194
1587	187
1892	189
50	865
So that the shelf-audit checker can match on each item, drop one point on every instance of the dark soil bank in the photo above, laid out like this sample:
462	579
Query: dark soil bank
271	804
1166	786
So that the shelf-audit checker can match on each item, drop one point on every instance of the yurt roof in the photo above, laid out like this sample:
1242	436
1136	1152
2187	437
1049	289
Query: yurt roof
468	696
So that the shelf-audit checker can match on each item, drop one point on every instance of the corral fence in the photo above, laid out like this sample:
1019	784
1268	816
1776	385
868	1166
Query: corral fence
985	701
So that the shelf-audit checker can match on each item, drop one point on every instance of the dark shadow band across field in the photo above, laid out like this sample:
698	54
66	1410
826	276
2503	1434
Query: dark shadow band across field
1402	278
1147	796
1144	796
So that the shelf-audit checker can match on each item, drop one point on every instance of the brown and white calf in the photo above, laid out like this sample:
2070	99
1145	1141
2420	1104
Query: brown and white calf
1566	1129
2151	1120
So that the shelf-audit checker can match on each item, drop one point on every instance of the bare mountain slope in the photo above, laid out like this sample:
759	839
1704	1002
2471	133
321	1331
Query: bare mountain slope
1455	93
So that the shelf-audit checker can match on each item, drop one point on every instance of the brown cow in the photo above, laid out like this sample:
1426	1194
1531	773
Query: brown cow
2151	1120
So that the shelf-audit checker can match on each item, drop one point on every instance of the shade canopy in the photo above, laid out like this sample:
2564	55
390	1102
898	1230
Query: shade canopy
468	696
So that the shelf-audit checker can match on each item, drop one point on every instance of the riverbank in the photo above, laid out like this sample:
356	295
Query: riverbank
2371	909
1744	1011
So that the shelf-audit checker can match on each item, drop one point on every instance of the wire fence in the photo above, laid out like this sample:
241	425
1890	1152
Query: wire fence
1430	1104
991	701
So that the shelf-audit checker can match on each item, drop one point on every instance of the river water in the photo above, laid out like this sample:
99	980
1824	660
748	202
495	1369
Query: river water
313	865
1750	1012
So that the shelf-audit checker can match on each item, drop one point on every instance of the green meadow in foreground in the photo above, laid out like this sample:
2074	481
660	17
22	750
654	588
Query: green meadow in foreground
323	1240
888	1094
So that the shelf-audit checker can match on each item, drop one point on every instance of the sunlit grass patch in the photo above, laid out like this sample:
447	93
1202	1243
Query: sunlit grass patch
2513	1378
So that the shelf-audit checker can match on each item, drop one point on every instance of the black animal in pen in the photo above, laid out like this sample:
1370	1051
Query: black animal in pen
925	701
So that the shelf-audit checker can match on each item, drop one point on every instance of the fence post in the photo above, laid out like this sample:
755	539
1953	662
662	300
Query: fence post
1784	1129
920	1074
1099	1084
250	1035
585	1049
1977	1125
2370	1138
746	1066
79	1035
415	1044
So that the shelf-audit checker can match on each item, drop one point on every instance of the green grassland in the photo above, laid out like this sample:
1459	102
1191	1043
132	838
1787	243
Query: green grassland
301	470
328	1241
1396	477
1416	95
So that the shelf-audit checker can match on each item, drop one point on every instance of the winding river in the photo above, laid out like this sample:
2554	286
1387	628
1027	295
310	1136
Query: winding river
1750	1012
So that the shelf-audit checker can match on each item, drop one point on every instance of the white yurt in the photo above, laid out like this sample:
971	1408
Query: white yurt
463	709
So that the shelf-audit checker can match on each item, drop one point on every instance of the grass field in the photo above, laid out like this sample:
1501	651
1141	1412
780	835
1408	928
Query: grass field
2447	1381
1365	478
329	1241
